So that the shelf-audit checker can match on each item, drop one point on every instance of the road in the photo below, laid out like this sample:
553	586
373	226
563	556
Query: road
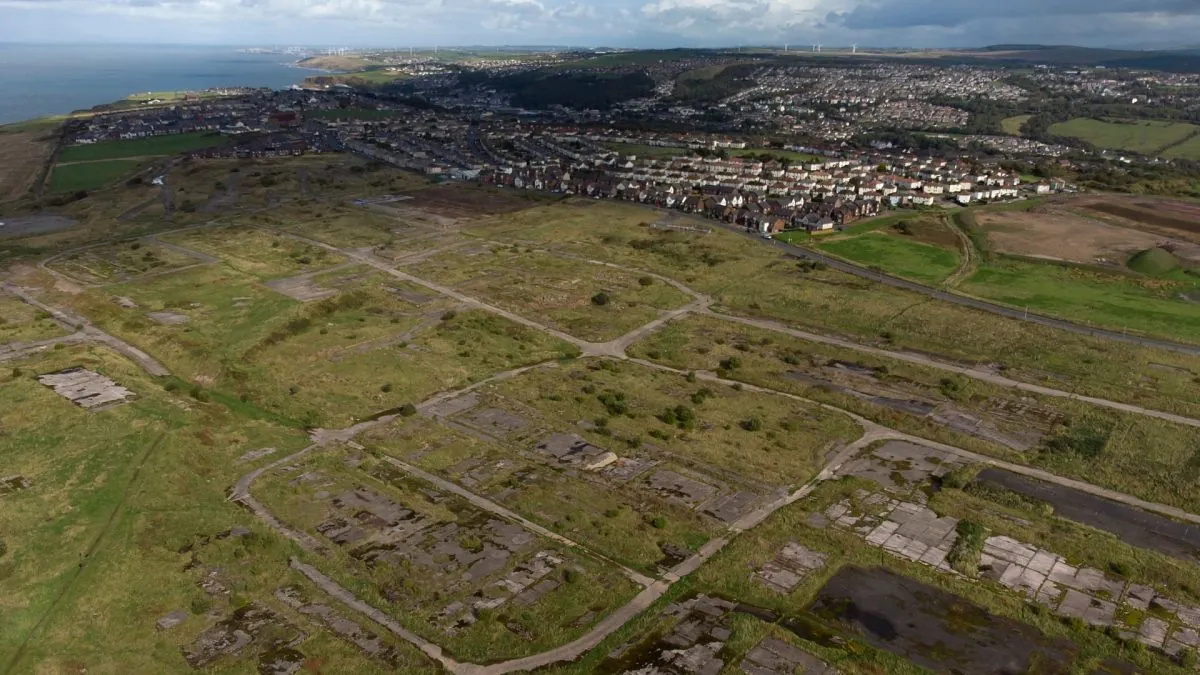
93	334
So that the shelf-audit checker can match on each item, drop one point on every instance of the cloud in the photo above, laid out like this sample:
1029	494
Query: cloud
877	14
650	23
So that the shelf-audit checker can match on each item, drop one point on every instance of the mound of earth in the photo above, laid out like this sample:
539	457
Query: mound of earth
1153	261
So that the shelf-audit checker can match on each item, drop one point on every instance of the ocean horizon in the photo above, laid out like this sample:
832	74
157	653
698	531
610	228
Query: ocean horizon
40	79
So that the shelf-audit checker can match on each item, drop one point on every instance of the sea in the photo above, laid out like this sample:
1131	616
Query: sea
38	80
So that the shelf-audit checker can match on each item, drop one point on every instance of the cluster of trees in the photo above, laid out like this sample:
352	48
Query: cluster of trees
724	84
581	90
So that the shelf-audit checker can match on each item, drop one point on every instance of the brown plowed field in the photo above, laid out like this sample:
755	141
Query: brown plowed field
1165	217
1055	233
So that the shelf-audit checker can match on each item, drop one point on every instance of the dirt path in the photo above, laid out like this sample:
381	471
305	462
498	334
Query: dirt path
94	334
973	373
19	350
966	266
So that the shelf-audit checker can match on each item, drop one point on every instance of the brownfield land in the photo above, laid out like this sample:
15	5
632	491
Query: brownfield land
22	155
1057	234
1166	217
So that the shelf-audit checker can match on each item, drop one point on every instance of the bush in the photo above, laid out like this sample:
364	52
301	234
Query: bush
646	281
16	372
570	575
658	522
387	388
171	386
1118	568
449	314
408	410
135	245
731	363
691	376
199	394
1187	659
614	402
600	299
752	424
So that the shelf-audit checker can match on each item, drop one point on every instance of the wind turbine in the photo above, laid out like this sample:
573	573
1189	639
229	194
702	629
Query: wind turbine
854	48
818	47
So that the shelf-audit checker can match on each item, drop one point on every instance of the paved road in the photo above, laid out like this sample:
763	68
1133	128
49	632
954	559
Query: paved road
973	303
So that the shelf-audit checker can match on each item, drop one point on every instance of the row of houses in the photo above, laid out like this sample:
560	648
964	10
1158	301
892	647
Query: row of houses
748	209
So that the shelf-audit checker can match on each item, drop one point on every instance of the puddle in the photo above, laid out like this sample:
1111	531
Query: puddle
935	629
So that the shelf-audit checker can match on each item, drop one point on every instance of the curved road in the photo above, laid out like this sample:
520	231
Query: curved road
973	303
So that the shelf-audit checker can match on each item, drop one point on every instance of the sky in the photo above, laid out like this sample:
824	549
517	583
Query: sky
617	23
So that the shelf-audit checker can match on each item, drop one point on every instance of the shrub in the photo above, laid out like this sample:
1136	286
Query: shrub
1119	568
570	575
600	299
16	372
387	388
646	281
691	376
408	410
658	522
614	402
731	363
449	314
135	245
752	424
199	394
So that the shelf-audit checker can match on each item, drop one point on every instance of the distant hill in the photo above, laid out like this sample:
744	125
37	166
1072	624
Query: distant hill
1176	60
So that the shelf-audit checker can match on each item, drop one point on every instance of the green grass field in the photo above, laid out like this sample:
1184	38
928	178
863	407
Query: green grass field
89	175
1109	300
141	147
922	262
1189	149
1142	136
1012	125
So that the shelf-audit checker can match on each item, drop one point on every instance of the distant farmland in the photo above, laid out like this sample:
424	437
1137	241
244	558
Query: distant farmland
1142	136
141	147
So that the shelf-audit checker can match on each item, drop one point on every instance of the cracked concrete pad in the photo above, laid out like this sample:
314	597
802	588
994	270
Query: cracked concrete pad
1153	631
172	619
88	390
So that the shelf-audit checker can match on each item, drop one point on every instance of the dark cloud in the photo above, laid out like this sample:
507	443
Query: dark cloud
877	14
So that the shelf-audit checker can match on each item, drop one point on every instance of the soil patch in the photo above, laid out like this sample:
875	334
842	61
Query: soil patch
1162	216
935	629
1060	235
1131	525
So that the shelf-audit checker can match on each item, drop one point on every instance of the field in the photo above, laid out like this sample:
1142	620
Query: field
1096	297
1012	125
90	175
1145	137
141	147
586	300
1189	149
122	262
21	323
910	259
1057	234
1164	217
